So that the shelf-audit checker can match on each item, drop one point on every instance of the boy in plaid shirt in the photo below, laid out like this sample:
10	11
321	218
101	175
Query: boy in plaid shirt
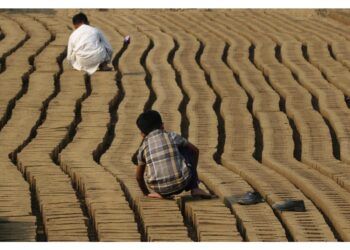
171	160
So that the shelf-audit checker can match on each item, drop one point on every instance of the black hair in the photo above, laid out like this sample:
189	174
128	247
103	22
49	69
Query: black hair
148	121
80	18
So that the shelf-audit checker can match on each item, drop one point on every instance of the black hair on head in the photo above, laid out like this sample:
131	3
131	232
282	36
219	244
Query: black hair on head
148	121
80	18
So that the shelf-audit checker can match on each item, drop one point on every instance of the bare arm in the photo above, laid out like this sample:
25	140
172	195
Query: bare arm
194	150
140	170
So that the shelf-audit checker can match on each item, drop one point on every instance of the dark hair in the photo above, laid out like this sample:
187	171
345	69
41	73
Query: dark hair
80	18
148	121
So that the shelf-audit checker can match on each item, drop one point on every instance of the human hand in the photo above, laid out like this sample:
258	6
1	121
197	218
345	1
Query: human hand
127	39
154	195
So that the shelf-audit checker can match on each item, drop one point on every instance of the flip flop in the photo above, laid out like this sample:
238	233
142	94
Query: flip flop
250	198
290	205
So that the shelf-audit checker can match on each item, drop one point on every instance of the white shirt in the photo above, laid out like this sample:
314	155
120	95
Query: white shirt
88	48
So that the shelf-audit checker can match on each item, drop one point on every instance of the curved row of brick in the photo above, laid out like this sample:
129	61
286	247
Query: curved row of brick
336	38
20	224
239	156
15	203
186	65
316	139
107	206
334	73
112	218
330	99
267	107
61	211
159	220
205	221
275	126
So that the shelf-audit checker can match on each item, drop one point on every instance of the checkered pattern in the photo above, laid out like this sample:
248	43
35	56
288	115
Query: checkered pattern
166	168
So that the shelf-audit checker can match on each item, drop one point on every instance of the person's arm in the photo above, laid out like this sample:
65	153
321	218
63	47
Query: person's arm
193	149
140	170
106	44
70	56
187	146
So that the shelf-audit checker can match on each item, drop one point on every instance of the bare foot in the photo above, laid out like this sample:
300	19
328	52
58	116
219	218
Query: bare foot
105	67
154	195
197	192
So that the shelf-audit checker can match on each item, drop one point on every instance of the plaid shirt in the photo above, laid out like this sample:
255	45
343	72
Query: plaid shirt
167	171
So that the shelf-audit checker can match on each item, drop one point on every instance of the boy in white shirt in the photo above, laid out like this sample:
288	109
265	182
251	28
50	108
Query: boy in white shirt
88	49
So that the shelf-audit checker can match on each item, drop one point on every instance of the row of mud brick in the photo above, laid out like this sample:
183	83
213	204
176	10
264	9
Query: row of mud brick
203	145
279	145
24	40
58	205
159	220
155	215
219	61
232	103
277	149
312	130
111	216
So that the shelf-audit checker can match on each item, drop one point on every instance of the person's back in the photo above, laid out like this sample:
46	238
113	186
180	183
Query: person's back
88	49
167	170
87	41
170	159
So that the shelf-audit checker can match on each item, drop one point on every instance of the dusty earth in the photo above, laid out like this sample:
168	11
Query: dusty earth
264	94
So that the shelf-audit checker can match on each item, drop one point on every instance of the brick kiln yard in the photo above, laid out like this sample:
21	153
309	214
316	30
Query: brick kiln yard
263	94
